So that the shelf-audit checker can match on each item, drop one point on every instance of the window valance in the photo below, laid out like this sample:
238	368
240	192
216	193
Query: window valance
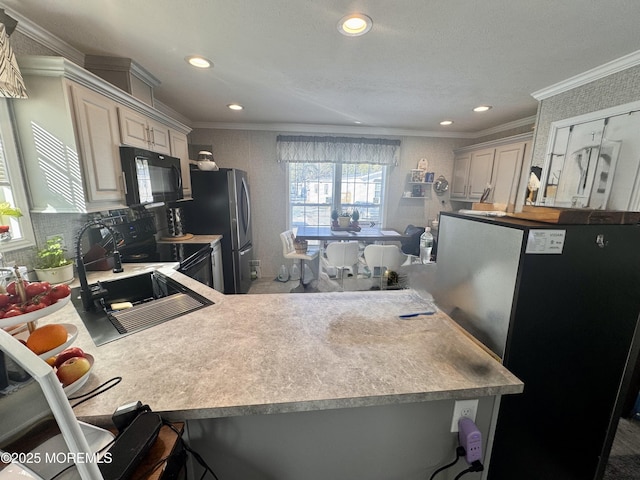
378	151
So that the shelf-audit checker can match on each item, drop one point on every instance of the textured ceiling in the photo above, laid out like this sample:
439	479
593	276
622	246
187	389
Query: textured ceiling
423	61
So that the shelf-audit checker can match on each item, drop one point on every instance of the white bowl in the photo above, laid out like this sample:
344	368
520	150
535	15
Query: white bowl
207	165
30	317
75	386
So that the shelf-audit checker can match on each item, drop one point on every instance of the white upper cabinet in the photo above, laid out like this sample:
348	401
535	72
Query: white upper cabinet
471	174
70	130
495	165
69	144
180	149
507	168
99	139
460	178
137	130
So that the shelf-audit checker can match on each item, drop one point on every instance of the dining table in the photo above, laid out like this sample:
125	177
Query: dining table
366	234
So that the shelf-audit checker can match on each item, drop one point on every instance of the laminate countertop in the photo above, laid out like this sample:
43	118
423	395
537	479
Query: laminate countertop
276	353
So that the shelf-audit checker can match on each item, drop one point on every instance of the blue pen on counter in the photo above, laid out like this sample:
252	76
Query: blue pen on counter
409	315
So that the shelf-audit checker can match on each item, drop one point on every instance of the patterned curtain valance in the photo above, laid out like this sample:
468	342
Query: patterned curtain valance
338	150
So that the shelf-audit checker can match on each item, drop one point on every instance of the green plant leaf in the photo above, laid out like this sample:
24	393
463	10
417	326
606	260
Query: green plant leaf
9	211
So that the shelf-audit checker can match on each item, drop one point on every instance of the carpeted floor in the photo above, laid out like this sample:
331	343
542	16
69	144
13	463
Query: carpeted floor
624	460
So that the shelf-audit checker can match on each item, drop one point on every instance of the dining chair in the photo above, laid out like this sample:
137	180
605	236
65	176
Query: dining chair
342	256
289	251
384	256
411	245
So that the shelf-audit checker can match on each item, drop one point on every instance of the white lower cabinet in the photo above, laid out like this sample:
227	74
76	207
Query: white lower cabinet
216	260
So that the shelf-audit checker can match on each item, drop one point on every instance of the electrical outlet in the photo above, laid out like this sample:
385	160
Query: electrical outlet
463	408
254	263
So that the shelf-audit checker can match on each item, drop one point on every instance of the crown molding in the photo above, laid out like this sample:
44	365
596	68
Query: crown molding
355	130
522	137
121	64
508	126
319	128
167	110
46	39
47	66
615	66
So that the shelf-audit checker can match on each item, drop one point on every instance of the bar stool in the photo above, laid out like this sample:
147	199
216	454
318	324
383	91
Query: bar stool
289	251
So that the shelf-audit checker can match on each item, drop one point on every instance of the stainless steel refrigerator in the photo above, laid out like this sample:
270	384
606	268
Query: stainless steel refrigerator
221	205
559	304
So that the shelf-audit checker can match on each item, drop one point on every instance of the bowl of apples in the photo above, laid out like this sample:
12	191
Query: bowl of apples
72	367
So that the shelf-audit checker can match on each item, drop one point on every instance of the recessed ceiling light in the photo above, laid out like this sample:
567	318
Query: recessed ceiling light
482	108
198	61
355	24
446	122
235	106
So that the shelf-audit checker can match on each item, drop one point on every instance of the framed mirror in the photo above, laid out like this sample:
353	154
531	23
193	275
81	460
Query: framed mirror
592	162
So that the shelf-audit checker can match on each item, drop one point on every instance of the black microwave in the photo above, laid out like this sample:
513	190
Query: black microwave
150	177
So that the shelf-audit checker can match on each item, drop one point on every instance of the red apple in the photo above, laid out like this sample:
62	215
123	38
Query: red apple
72	370
65	355
4	228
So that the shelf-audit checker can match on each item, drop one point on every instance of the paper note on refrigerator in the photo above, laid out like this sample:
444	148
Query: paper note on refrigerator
545	241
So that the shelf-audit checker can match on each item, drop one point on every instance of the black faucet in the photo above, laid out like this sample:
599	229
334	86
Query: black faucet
87	293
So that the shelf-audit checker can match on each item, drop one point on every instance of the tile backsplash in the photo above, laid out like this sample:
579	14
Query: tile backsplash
46	225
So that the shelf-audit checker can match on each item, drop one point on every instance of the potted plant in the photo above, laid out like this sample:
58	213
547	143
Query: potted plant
344	219
334	217
53	264
355	216
6	210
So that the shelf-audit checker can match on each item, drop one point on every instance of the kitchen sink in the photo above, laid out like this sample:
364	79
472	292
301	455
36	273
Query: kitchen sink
130	304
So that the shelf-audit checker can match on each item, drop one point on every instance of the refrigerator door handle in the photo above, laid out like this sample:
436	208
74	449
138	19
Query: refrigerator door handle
245	191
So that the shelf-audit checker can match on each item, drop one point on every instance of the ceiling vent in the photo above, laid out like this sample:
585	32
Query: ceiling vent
125	74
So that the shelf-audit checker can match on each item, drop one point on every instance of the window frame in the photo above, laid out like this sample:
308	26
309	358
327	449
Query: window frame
16	180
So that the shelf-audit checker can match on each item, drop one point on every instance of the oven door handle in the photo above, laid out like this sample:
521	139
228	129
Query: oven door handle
200	256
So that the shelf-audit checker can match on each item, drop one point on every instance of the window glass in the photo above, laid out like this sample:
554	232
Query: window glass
315	189
361	189
311	187
12	188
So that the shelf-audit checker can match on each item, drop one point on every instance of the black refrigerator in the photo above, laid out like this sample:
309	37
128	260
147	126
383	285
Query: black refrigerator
221	205
559	304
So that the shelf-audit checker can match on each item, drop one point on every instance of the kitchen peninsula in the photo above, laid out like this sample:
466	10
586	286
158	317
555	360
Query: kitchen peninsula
289	356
